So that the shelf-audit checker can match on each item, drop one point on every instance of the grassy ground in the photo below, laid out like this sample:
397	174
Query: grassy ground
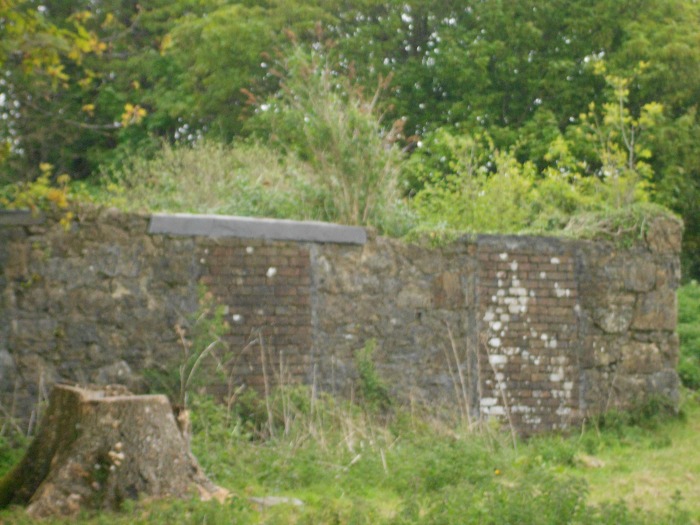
350	466
649	469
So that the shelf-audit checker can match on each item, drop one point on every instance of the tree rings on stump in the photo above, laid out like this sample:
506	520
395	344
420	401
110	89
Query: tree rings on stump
94	449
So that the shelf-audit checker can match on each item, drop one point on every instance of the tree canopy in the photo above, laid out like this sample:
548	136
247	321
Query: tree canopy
574	90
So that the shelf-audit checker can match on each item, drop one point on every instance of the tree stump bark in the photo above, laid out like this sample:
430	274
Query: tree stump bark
95	449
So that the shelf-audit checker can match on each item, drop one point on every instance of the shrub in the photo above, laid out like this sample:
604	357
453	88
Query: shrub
463	183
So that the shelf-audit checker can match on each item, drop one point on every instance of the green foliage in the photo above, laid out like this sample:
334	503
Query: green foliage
624	226
41	195
465	195
373	390
11	450
633	426
336	165
465	185
325	119
689	333
204	352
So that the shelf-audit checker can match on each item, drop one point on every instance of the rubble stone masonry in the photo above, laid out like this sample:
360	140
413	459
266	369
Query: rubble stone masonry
537	331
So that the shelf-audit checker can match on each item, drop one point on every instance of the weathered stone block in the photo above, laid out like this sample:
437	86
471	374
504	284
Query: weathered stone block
17	262
615	316
34	329
447	291
8	371
640	358
655	310
664	383
664	235
640	276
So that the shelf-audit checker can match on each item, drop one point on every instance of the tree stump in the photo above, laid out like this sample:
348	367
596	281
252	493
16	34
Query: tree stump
94	449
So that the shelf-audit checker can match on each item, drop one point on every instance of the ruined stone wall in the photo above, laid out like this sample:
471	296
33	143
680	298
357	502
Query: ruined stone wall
538	331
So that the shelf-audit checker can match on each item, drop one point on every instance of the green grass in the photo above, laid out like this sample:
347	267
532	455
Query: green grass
650	469
349	464
689	333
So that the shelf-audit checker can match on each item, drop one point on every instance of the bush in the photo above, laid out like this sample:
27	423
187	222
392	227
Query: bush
324	119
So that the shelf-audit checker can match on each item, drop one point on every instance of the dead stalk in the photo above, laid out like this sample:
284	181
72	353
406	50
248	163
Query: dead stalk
502	390
266	383
462	382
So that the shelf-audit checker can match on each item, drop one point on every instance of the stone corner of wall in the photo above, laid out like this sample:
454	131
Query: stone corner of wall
664	235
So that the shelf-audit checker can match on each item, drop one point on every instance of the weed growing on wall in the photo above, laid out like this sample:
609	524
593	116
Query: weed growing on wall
200	340
373	390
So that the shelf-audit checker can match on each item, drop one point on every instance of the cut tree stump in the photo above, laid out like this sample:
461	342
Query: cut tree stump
97	447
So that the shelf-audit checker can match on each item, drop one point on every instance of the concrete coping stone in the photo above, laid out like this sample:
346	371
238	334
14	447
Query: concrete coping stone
186	224
20	218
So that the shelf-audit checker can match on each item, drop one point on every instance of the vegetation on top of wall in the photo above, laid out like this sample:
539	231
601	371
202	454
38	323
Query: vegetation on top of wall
623	226
321	152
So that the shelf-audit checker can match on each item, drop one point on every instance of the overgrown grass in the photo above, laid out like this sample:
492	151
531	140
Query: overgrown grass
351	464
689	333
209	177
245	179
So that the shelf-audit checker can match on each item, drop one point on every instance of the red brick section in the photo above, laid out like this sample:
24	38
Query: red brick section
265	286
528	326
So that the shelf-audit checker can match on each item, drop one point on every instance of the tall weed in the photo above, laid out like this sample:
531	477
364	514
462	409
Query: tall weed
329	123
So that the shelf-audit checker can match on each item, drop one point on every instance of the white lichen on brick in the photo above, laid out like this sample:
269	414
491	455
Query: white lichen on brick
496	359
555	260
556	377
495	410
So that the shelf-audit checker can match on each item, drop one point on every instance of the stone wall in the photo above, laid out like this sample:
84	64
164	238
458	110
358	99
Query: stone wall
540	331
